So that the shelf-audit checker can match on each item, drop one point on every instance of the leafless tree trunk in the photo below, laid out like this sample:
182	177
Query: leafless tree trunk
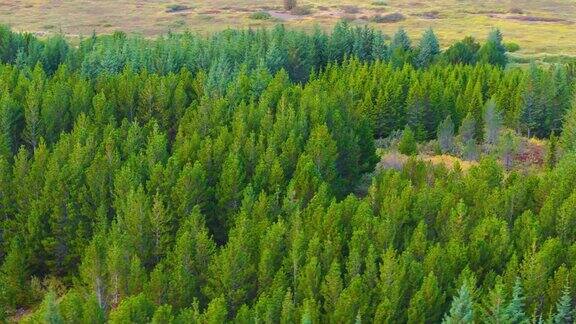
290	4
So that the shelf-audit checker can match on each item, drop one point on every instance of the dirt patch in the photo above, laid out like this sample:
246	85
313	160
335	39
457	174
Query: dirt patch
484	12
350	9
416	4
530	18
388	19
283	15
434	14
210	12
235	9
531	153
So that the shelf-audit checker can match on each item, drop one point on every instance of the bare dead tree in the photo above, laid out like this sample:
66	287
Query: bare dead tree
290	4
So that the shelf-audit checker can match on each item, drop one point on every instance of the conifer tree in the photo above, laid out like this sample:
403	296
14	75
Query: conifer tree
426	302
14	275
461	309
445	135
495	310
323	151
467	130
163	314
494	51
400	48
429	48
216	311
531	116
92	312
492	124
564	308
552	151
508	149
51	310
515	309
568	137
408	145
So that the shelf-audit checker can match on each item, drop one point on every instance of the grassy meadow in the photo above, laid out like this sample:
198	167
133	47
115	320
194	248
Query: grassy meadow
539	26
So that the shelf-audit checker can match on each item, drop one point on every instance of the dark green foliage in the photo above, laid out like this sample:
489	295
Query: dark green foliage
568	137
463	52
493	51
552	151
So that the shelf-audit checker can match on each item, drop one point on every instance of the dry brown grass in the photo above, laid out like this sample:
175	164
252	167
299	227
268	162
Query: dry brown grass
449	161
541	26
395	160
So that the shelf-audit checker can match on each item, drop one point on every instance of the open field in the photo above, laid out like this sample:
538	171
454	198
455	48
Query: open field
539	26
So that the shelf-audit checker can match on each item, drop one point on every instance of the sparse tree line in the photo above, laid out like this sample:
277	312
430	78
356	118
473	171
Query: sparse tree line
206	180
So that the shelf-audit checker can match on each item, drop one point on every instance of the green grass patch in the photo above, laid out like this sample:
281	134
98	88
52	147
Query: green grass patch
261	15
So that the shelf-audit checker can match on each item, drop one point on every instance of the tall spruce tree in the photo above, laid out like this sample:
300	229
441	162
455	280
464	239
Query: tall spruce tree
428	49
515	309
461	308
445	136
564	308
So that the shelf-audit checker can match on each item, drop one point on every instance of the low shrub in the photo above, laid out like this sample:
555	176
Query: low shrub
512	47
176	8
389	18
261	15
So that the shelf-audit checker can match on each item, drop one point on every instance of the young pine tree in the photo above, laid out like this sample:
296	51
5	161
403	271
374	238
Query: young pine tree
467	129
445	135
461	309
552	151
564	308
568	138
494	309
13	275
429	49
515	309
408	145
51	310
508	148
492	124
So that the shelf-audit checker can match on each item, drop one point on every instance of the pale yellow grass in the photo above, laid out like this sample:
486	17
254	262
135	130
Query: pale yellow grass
395	160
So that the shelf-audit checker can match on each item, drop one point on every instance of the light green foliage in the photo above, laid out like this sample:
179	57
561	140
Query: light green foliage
408	145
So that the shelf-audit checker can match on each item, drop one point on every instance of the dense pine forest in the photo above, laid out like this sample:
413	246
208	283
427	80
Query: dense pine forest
234	178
